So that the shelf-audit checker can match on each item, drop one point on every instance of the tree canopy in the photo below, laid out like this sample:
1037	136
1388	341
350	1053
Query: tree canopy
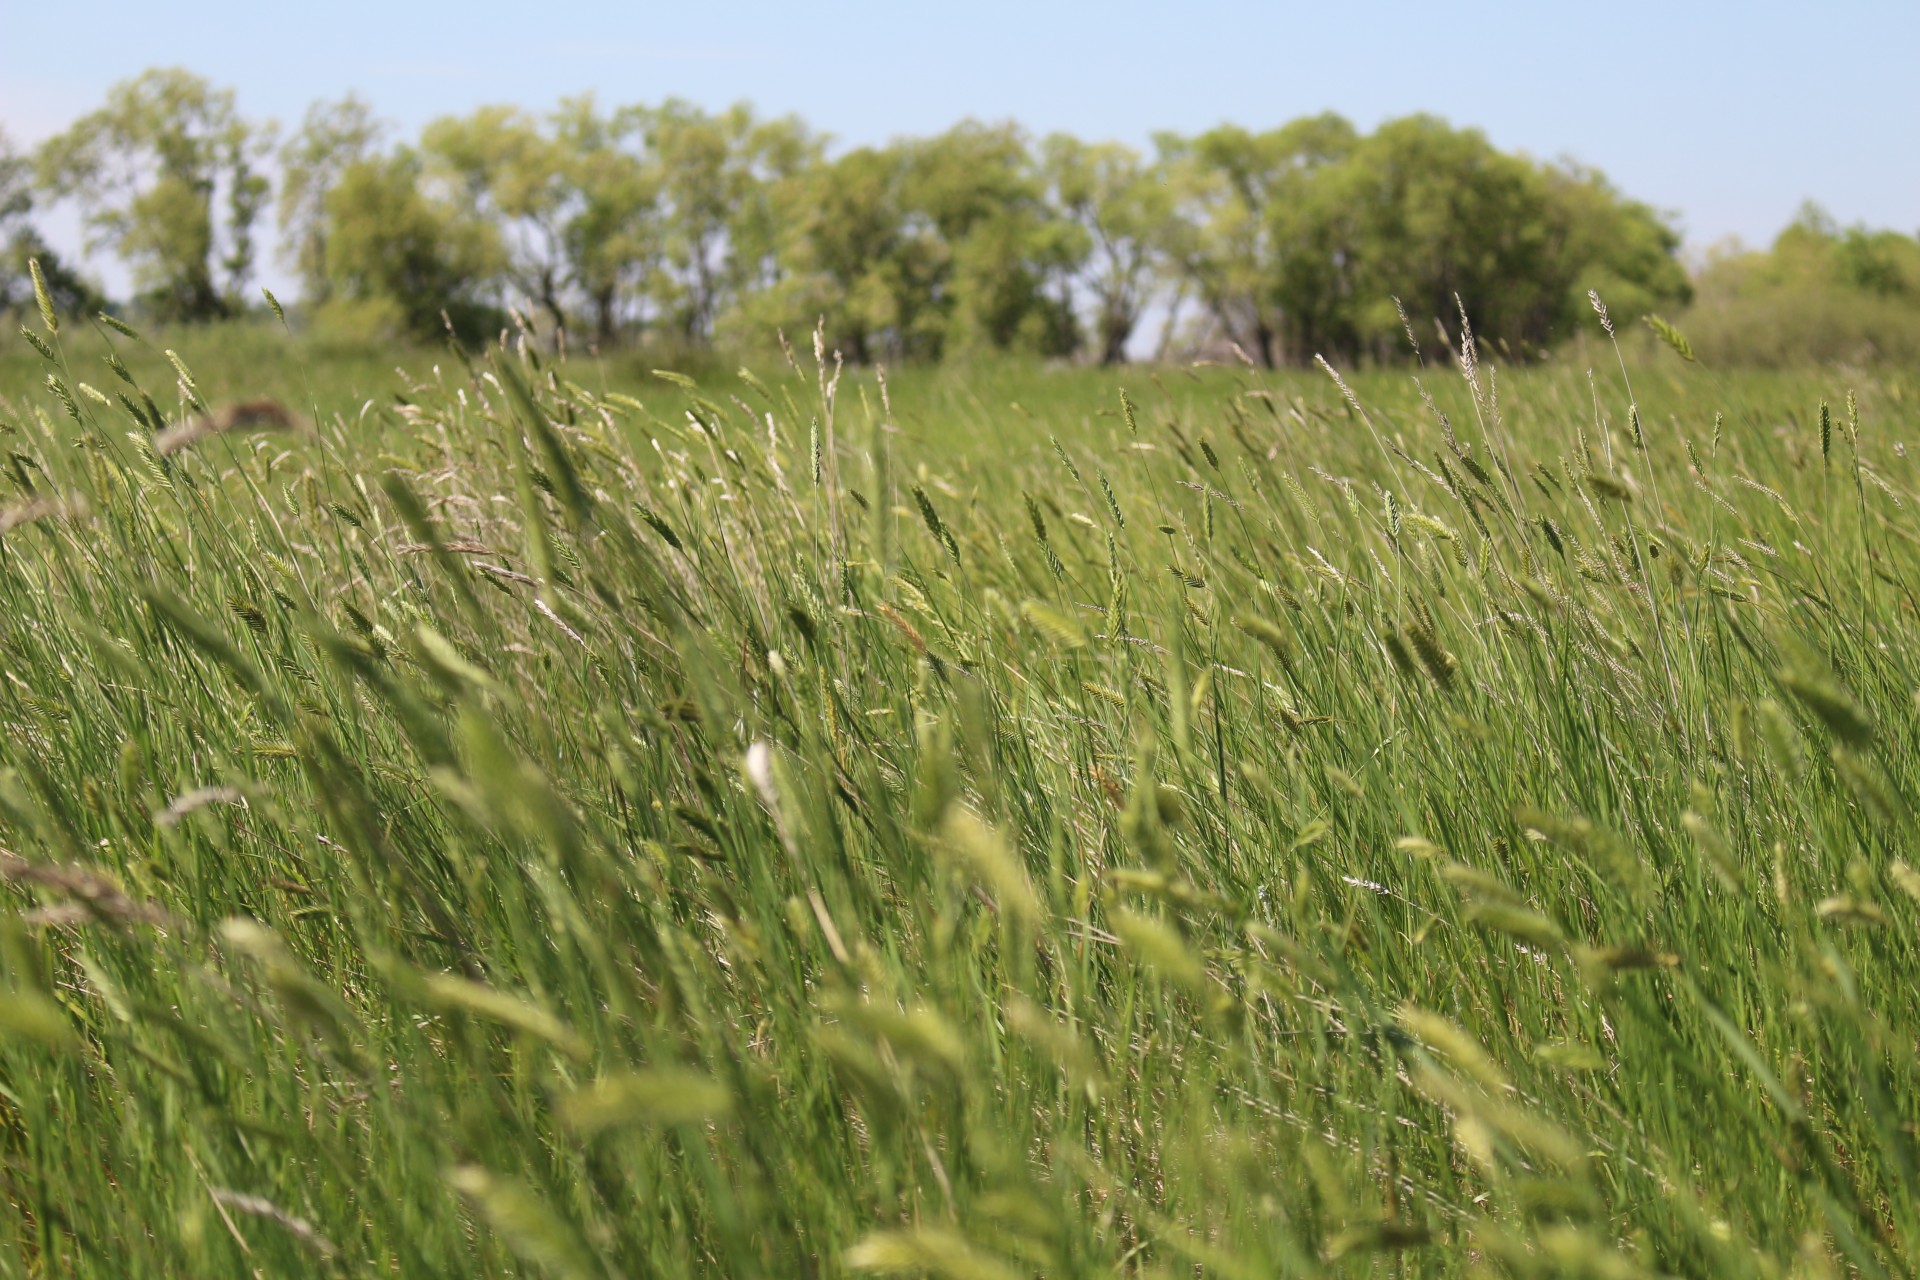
1820	292
151	171
672	222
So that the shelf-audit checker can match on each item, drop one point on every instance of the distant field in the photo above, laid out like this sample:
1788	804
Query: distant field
564	820
957	408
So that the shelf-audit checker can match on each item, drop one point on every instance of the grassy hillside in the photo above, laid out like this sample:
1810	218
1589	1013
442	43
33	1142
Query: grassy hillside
578	823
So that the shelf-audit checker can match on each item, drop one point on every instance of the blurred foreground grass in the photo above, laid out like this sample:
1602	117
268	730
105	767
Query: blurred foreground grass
605	825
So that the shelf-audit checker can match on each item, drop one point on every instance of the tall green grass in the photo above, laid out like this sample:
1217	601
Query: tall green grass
799	826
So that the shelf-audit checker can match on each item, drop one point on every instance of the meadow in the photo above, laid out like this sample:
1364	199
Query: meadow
546	817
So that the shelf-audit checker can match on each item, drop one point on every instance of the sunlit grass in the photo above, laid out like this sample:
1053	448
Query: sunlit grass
777	825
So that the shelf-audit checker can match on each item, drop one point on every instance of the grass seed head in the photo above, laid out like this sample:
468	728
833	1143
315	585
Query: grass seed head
43	298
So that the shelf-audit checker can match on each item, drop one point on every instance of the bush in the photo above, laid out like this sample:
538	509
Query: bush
1820	294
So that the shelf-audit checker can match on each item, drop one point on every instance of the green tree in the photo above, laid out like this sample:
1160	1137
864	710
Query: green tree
506	170
1307	240
1815	250
577	200
16	186
333	137
924	248
1226	185
612	236
1885	263
148	170
20	243
1120	203
716	173
1820	292
849	255
1010	259
1622	249
780	153
1441	220
399	260
698	159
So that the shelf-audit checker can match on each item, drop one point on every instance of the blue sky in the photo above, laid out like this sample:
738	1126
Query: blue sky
1727	114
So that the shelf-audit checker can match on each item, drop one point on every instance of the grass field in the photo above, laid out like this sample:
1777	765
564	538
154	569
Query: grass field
566	821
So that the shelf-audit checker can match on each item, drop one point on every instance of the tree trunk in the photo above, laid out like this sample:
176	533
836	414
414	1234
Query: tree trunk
604	327
1116	327
1263	339
550	303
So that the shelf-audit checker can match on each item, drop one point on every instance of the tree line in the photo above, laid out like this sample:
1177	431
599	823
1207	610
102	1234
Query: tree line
1822	293
675	224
